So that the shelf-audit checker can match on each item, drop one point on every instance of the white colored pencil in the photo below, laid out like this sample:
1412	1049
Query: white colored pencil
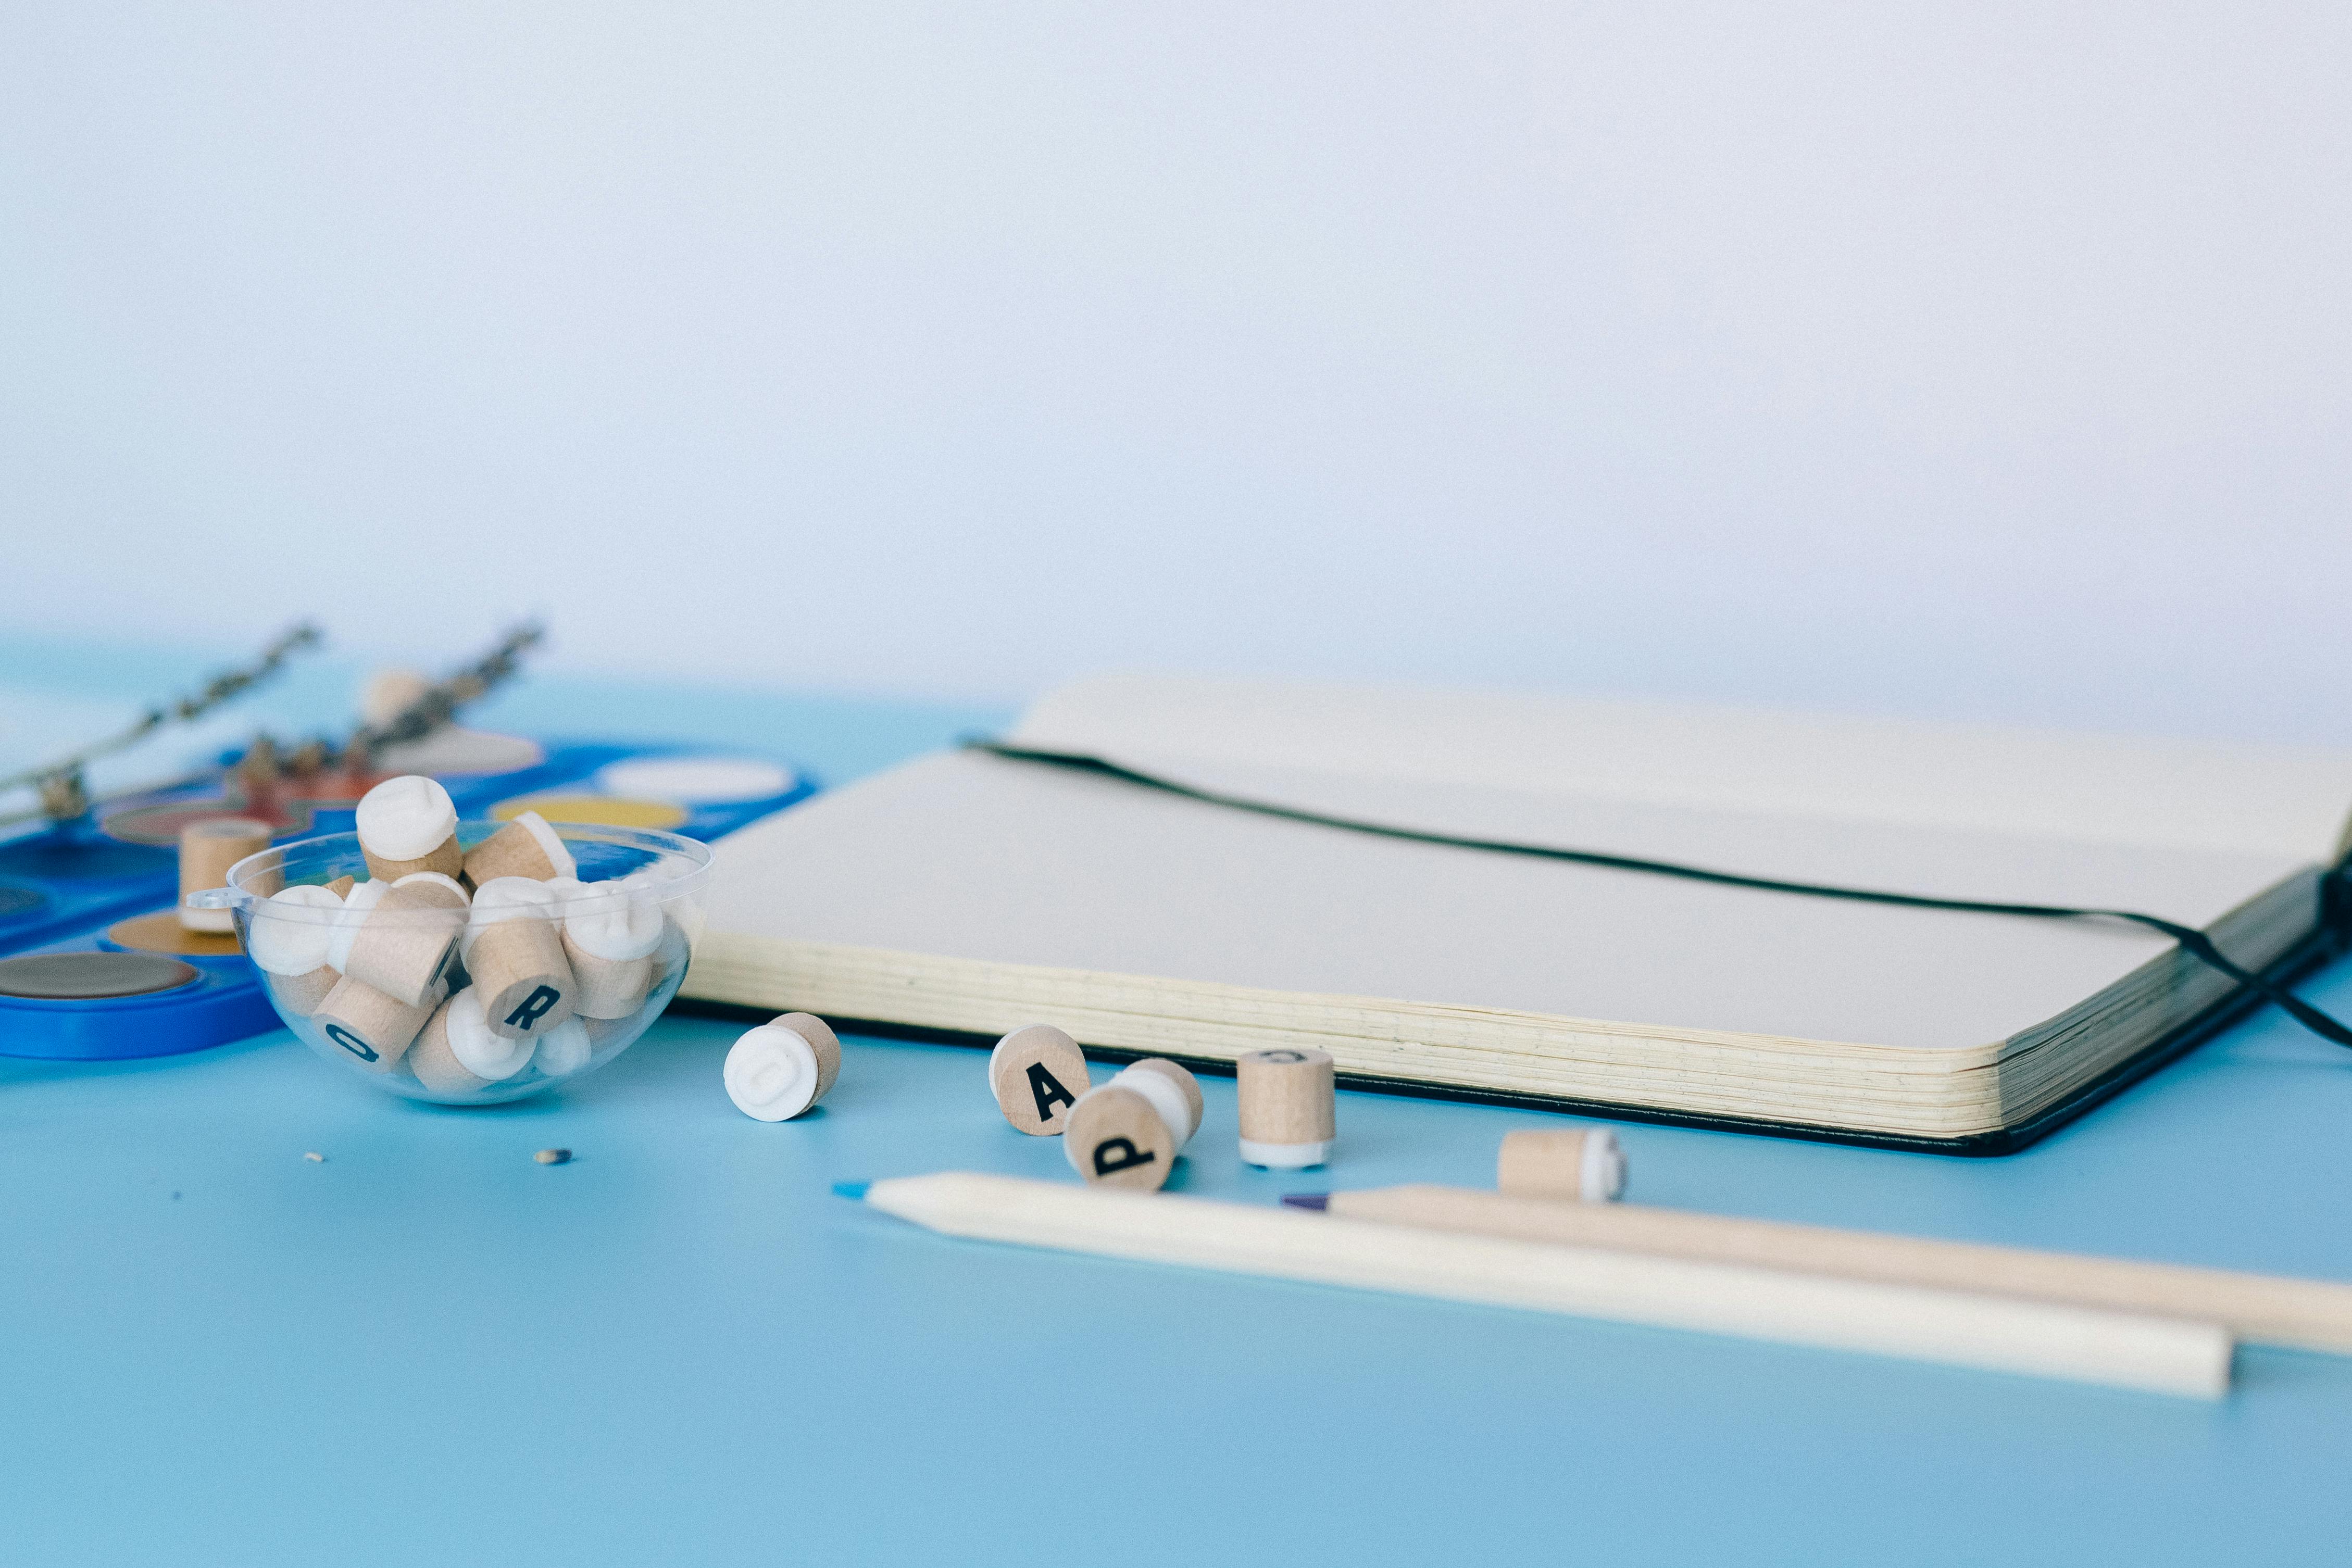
2309	1314
2163	1356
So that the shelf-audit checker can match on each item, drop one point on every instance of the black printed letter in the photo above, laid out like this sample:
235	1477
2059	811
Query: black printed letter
351	1042
1115	1154
1048	1089
534	1007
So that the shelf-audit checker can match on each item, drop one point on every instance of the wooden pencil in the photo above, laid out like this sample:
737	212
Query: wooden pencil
2307	1314
2157	1354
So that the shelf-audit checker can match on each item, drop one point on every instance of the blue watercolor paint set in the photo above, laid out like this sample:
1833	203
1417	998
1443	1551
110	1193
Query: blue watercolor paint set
96	964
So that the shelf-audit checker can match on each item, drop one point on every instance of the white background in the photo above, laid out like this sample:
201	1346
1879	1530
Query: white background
1982	361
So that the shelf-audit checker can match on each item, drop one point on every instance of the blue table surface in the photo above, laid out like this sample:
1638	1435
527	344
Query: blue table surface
680	1348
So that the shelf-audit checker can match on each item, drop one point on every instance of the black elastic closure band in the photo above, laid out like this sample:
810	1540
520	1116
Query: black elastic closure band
2193	942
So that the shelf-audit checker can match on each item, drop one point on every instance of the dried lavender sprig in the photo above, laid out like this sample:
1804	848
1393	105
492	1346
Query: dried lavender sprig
64	794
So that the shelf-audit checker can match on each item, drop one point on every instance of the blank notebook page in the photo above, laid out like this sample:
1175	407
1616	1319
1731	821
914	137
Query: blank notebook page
977	857
2290	800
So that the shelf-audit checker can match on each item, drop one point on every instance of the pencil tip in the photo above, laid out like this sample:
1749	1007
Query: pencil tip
850	1188
1318	1201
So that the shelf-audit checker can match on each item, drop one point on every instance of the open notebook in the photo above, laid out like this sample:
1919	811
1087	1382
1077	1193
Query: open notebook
972	894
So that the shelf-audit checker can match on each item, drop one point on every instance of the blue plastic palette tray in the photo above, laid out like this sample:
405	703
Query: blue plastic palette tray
64	888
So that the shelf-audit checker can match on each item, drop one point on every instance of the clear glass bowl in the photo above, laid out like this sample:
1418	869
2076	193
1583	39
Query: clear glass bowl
422	1030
